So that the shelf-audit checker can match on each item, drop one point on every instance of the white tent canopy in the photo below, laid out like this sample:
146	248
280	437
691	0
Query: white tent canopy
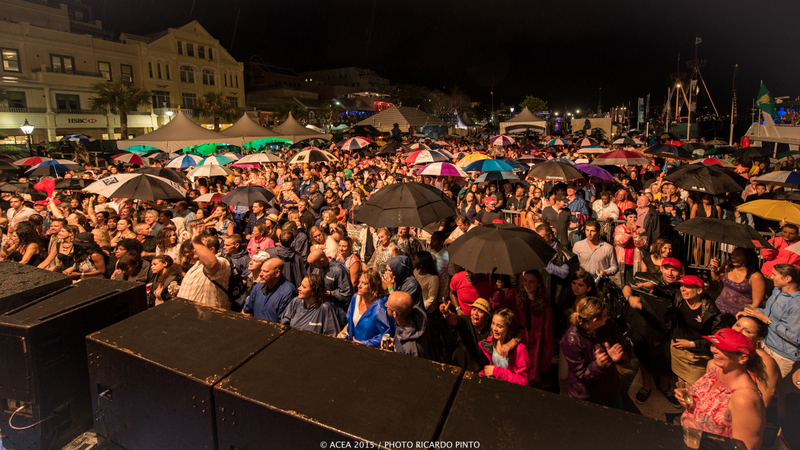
179	133
292	130
403	116
524	120
248	131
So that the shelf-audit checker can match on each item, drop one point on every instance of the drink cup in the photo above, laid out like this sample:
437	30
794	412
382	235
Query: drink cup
692	432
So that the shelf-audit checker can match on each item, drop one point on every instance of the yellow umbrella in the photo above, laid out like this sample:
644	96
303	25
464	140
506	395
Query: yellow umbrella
773	209
467	160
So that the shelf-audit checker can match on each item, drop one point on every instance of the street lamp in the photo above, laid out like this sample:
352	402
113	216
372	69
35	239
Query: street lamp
169	116
27	128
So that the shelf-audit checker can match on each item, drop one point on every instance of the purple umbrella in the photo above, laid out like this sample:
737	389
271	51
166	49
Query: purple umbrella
595	171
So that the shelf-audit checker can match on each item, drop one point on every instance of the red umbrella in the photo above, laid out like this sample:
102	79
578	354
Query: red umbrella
31	161
620	158
675	142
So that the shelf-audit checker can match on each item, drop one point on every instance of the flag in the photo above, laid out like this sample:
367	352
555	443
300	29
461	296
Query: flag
640	110
697	40
765	102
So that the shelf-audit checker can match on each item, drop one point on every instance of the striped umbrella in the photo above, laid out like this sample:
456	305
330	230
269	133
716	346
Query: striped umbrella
208	170
233	156
442	169
715	162
668	151
137	186
131	158
464	162
585	142
558	141
354	143
425	157
592	149
78	138
257	158
781	178
620	158
627	141
31	161
184	161
420	146
217	160
53	167
309	155
501	140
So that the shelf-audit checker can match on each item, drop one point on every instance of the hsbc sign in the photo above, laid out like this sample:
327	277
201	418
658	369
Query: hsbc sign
79	120
88	121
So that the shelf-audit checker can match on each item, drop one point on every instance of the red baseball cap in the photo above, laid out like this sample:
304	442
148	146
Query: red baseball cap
691	280
672	262
731	340
489	200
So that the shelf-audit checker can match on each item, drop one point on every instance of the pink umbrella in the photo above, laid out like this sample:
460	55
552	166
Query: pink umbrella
246	165
442	169
210	197
620	158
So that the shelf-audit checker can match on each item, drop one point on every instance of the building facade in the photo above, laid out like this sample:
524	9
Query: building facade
352	77
51	58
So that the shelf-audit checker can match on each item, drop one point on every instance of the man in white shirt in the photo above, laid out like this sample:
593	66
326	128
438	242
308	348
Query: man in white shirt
462	226
207	281
605	209
17	212
596	257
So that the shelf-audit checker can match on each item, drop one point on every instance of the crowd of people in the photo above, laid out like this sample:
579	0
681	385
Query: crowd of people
717	341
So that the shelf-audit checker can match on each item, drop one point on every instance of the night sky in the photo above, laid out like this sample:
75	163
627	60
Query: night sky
561	51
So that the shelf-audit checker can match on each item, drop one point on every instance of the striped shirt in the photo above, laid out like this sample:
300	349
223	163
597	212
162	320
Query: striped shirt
198	288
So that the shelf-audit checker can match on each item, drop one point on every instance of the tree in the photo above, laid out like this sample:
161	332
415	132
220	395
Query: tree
214	104
121	96
534	104
412	95
283	109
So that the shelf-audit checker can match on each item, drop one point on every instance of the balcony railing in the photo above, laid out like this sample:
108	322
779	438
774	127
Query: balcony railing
50	69
76	111
6	109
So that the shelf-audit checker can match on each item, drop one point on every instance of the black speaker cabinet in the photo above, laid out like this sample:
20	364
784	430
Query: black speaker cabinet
501	415
307	389
152	375
44	377
21	283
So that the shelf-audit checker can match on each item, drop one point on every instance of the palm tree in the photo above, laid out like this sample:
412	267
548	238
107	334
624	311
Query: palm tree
121	96
214	104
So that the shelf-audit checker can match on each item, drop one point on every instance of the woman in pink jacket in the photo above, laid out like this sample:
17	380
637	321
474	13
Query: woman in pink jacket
514	366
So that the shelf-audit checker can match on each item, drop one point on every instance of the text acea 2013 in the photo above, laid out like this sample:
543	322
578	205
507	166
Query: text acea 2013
400	444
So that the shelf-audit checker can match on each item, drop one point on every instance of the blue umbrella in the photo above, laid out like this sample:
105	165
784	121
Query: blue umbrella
488	165
52	167
518	166
184	161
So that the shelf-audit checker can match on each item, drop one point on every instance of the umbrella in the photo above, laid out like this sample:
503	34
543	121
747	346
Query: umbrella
163	156
723	231
714	162
392	148
72	184
516	165
555	171
497	175
595	171
369	170
460	155
442	169
723	150
488	165
713	180
209	170
592	149
692	146
773	210
247	195
170	174
716	142
792	196
752	152
184	161
528	148
627	141
502	249
469	159
217	160
6	165
258	158
586	142
211	197
78	138
668	151
420	146
130	158
31	161
501	140
312	155
315	142
558	141
425	157
675	142
21	188
406	204
532	158
354	143
620	158
53	167
137	186
232	156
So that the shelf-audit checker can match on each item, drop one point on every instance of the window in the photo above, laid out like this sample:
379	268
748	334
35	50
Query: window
166	67
187	74
210	54
158	66
68	102
105	69
201	52
189	49
11	60
234	102
127	72
188	100
150	69
225	79
180	47
160	99
208	78
237	80
62	64
16	99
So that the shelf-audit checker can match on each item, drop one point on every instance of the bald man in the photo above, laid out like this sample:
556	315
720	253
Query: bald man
412	335
271	294
335	277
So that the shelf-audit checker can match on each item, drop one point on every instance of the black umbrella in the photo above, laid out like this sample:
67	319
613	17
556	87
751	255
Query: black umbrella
668	151
529	148
792	196
406	204
247	195
516	165
692	146
709	179
723	231
501	248
392	148
369	170
723	150
20	188
137	186
170	174
6	165
72	184
555	171
751	152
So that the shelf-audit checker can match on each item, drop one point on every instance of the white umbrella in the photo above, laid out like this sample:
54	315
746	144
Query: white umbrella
209	170
258	158
309	156
137	185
